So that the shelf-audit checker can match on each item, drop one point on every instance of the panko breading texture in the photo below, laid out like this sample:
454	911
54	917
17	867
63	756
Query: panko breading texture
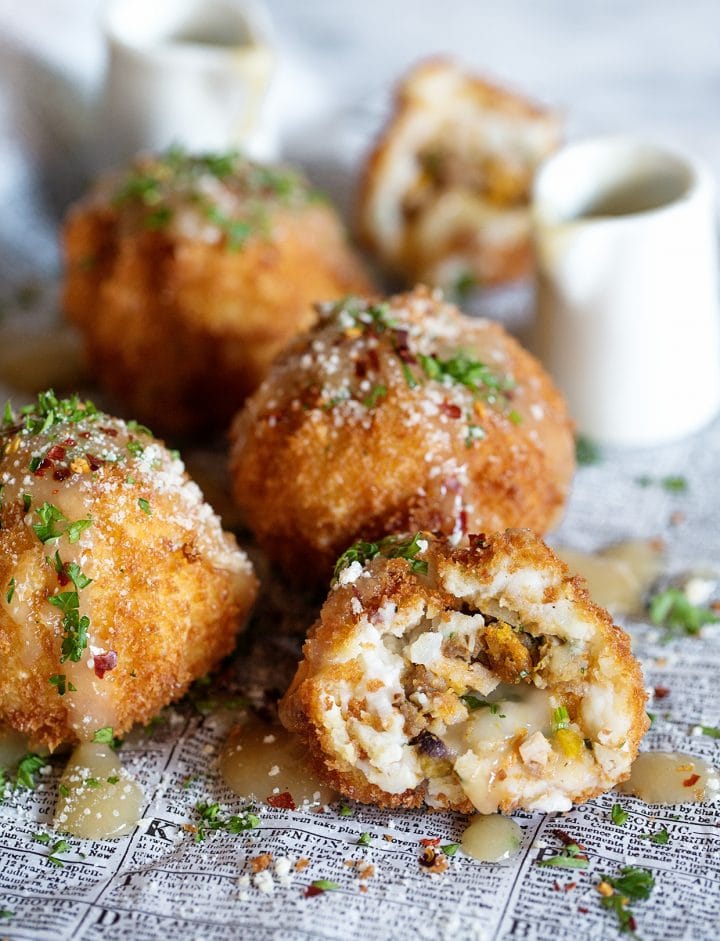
119	587
397	416
446	192
481	678
187	275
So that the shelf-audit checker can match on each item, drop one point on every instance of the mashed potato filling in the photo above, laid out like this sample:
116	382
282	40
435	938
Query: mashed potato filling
497	691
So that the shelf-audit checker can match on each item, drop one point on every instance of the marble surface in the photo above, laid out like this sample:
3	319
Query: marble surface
648	67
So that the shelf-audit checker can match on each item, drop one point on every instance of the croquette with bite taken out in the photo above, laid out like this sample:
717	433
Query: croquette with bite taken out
480	678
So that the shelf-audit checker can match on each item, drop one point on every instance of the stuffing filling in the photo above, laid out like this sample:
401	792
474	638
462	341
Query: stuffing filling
503	700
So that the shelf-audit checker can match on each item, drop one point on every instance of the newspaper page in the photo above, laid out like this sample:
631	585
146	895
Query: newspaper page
163	881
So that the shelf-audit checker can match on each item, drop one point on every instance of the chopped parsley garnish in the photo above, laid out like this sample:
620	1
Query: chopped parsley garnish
661	836
75	627
10	590
464	369
136	428
42	415
674	483
712	730
325	885
48	530
6	913
560	718
63	685
27	768
632	885
134	447
391	547
463	286
212	819
27	502
364	839
618	815
59	846
474	433
345	810
105	736
474	702
586	451
410	380
154	183
354	312
378	392
144	506
571	857
450	848
673	610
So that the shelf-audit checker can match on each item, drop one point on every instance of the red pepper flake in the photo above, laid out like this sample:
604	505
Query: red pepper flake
95	462
556	886
42	467
69	443
462	520
661	692
402	347
632	924
85	434
693	779
104	662
451	410
566	839
569	886
282	801
63	577
430	841
111	432
56	453
61	473
583	910
313	890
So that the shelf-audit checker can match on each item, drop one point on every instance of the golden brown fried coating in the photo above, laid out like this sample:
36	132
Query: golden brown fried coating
446	191
187	275
393	417
119	587
409	691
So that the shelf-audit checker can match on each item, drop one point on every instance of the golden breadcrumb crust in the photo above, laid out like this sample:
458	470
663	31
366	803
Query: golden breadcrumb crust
312	477
180	330
169	592
324	666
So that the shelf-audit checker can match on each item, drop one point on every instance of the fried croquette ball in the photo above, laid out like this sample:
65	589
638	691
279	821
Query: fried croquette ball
187	275
446	192
118	585
397	416
479	678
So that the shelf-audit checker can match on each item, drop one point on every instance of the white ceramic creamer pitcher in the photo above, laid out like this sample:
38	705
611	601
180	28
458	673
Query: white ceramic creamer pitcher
189	72
628	315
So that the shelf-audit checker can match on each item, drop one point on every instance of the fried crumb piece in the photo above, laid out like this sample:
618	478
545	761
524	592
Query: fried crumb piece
261	862
432	861
367	871
604	888
388	837
302	863
677	518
